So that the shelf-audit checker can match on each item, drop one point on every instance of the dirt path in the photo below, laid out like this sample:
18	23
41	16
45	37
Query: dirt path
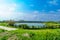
7	28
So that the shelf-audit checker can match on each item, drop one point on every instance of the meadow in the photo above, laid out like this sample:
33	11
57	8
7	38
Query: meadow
50	31
24	34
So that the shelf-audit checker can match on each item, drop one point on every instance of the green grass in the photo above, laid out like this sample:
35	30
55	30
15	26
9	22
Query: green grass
43	34
3	24
1	30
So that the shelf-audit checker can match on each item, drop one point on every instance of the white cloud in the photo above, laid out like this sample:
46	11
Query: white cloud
6	10
52	12
35	11
43	16
58	10
53	2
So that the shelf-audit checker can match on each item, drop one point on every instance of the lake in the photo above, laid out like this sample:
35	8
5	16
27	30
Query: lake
31	24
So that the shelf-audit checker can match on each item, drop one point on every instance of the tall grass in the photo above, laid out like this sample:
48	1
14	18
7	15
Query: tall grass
43	34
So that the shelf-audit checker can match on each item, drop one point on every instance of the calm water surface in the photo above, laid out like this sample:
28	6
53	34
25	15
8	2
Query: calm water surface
32	24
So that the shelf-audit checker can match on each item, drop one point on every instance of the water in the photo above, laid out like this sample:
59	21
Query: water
31	24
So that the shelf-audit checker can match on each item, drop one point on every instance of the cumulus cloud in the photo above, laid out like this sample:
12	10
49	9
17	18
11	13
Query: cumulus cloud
39	16
53	2
6	10
58	10
35	11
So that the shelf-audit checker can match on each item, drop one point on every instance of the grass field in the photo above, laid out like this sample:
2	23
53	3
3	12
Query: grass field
22	34
31	34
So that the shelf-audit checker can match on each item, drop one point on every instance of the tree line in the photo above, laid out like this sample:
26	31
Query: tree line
48	25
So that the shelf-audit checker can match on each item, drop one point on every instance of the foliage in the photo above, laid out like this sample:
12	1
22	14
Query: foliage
11	23
1	30
48	25
24	26
43	34
52	25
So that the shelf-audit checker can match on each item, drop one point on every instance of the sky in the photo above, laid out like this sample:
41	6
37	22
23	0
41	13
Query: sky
37	10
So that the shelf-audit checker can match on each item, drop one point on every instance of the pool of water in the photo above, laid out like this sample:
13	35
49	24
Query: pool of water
31	24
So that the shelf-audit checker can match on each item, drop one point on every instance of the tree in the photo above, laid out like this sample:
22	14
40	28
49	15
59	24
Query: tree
24	26
11	22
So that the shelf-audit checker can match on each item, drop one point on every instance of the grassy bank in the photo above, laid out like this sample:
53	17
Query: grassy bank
21	34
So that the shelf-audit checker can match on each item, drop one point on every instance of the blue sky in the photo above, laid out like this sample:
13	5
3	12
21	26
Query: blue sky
38	10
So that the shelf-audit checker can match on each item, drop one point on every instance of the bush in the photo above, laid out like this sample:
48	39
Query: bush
24	26
52	26
11	23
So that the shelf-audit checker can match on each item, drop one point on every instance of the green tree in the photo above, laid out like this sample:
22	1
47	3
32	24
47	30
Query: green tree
24	26
11	22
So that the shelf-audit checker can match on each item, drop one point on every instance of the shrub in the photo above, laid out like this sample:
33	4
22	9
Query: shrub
24	26
52	25
11	23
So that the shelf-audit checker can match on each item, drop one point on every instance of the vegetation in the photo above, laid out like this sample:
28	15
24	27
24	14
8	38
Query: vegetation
49	31
25	26
11	23
48	25
22	34
1	30
52	25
